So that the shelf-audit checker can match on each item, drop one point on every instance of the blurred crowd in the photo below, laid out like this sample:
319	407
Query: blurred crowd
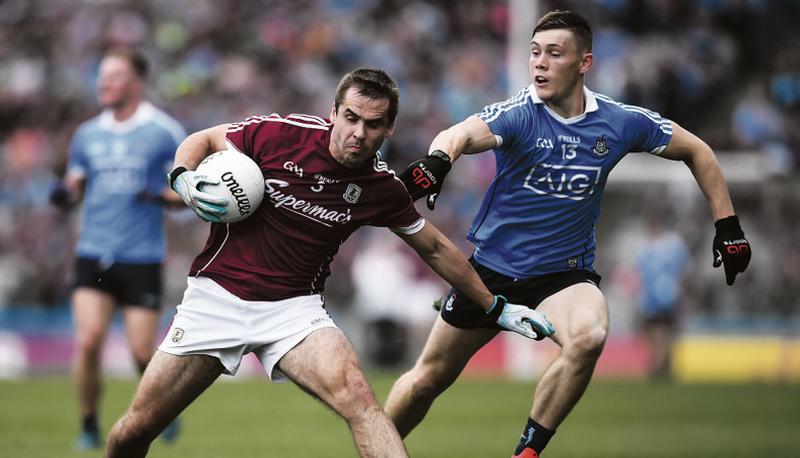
728	70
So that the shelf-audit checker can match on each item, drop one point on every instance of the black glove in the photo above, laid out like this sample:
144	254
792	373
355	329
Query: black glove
730	247
424	177
59	196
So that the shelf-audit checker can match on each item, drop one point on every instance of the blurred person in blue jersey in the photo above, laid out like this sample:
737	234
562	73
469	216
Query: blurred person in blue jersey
555	144
661	262
117	163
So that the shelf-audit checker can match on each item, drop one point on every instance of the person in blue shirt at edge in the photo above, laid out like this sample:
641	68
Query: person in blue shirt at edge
555	143
117	162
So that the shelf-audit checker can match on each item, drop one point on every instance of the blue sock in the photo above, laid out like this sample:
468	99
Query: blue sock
534	436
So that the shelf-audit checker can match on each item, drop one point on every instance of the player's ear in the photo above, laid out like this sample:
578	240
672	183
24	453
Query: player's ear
586	62
333	112
390	131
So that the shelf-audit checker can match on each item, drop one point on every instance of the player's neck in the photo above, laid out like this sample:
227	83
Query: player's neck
570	106
125	111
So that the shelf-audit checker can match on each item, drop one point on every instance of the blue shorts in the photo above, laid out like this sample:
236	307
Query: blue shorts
462	313
129	284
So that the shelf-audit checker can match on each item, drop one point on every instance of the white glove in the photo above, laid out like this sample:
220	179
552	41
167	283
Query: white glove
207	206
521	319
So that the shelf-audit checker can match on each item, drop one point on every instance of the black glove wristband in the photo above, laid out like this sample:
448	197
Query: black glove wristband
173	175
440	154
497	307
729	225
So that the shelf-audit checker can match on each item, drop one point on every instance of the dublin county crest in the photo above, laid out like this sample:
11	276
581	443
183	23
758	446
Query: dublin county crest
352	193
601	146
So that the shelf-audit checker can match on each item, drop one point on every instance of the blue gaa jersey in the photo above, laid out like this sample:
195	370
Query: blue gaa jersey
539	214
120	161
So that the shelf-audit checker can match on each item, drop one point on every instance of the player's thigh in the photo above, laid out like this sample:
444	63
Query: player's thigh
575	311
449	349
92	311
324	364
169	384
141	328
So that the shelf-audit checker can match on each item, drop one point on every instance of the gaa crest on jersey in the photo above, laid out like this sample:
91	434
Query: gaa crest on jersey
177	334
601	146
352	193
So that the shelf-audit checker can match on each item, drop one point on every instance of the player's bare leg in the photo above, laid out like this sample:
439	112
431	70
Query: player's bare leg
580	316
141	329
326	366
169	384
92	311
445	355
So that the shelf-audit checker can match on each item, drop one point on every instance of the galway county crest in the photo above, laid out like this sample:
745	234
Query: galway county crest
352	193
601	146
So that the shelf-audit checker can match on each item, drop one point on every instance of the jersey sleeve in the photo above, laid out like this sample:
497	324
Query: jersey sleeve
399	214
77	164
257	135
647	131
507	118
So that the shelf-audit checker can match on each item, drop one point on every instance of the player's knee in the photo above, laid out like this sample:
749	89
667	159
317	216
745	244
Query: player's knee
354	392
427	383
589	342
89	344
132	428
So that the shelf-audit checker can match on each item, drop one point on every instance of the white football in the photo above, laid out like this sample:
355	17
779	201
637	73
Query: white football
240	182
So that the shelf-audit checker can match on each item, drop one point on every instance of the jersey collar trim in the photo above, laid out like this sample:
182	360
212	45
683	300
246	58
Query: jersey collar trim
144	112
591	105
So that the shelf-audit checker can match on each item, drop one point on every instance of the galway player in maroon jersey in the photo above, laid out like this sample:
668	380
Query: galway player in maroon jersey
257	285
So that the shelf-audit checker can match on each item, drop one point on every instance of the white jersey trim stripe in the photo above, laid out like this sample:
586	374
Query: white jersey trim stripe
409	230
236	127
227	233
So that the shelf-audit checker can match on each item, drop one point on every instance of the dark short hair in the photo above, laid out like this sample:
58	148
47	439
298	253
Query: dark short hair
573	22
372	83
134	57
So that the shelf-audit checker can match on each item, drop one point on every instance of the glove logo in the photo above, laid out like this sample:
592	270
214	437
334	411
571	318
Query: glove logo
423	177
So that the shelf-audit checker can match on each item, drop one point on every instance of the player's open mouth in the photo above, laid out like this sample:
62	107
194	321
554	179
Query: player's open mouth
540	80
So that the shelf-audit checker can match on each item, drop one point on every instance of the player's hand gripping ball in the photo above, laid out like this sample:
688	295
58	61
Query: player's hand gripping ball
236	178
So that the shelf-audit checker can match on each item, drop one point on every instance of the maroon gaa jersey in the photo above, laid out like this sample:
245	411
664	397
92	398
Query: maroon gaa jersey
312	204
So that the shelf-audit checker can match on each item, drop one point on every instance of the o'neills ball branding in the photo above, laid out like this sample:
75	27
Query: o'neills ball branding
242	202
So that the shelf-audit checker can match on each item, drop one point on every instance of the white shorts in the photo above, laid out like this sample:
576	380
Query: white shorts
212	321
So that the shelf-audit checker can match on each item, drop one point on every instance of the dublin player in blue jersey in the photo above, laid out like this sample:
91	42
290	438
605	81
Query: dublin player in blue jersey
117	163
555	144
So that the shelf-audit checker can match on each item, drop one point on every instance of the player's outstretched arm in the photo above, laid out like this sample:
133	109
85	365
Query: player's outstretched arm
730	247
67	193
447	261
425	176
187	183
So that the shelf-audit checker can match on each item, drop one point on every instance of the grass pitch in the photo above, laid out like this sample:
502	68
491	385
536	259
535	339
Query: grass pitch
475	418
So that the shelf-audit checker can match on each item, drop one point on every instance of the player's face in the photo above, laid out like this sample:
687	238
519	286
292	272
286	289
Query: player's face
117	82
360	126
557	65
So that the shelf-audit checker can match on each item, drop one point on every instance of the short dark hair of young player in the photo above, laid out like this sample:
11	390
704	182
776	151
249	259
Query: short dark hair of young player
135	58
372	83
574	22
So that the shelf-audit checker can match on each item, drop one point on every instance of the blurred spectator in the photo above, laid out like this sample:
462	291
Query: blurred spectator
661	263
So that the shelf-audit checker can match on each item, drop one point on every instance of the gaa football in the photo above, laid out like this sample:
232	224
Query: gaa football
240	181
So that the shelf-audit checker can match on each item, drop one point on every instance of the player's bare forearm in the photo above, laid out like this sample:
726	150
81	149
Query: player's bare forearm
449	263
467	137
700	159
200	145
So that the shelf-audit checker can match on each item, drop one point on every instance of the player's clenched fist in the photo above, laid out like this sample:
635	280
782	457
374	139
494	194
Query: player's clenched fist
424	177
730	247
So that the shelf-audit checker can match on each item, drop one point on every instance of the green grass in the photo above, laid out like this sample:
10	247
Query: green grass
475	418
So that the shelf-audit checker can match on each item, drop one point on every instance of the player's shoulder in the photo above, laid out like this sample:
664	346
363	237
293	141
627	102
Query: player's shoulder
518	104
161	120
610	107
295	121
